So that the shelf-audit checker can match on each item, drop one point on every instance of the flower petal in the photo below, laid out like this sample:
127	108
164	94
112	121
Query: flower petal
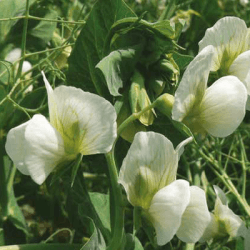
229	37
51	102
223	107
195	218
232	223
211	230
193	84
151	164
221	195
87	122
16	147
35	147
241	68
167	208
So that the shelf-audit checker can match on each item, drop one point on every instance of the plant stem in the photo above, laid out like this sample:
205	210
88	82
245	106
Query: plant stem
133	117
118	230
23	46
222	175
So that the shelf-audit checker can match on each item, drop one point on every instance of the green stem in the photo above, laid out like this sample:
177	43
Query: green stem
42	247
118	230
41	19
133	117
23	46
189	246
222	175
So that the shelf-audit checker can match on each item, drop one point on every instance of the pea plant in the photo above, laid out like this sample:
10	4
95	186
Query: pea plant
124	125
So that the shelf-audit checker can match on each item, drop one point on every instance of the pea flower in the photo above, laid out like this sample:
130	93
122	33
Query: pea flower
15	55
224	221
148	175
80	122
231	40
218	109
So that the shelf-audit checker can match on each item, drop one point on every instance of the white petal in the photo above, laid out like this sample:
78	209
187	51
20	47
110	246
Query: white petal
86	121
151	164
193	84
51	102
45	148
16	147
35	147
167	208
211	230
26	66
196	217
223	107
241	68
180	148
233	224
14	55
221	195
229	37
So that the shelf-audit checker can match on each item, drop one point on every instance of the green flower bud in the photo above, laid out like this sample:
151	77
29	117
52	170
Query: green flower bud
139	99
164	104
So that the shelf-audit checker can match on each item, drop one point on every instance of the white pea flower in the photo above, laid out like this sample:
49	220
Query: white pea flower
80	122
244	2
218	109
15	55
224	221
231	40
148	175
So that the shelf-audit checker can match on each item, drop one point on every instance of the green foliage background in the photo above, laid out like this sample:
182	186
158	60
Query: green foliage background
50	213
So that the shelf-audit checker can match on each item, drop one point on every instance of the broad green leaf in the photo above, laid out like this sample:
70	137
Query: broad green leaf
88	50
93	205
132	243
44	30
12	8
98	210
118	66
96	241
101	204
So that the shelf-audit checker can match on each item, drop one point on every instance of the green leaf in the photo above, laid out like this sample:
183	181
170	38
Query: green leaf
15	214
9	206
98	210
44	30
88	50
1	237
132	243
182	60
12	8
118	66
158	37
96	241
93	205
